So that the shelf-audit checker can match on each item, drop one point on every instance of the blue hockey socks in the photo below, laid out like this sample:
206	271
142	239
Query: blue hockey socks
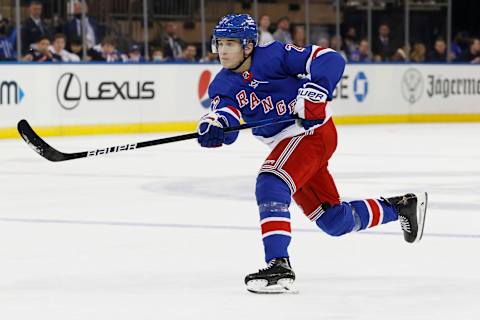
273	199
373	212
354	216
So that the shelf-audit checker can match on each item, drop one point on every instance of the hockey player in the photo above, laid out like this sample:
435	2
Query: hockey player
277	80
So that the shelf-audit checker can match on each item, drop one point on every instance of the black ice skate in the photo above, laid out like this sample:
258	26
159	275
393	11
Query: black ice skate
411	209
277	277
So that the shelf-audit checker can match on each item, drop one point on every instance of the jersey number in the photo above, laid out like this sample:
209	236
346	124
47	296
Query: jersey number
289	47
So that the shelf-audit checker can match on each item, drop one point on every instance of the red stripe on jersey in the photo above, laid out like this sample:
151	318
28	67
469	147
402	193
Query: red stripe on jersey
375	212
276	226
234	110
316	53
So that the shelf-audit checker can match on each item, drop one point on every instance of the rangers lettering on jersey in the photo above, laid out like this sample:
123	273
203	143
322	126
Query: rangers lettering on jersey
287	68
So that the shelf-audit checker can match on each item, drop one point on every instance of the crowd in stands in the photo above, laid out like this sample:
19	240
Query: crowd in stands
63	43
384	47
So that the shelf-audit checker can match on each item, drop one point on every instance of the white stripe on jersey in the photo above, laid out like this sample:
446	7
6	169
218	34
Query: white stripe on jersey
311	58
293	130
288	132
230	112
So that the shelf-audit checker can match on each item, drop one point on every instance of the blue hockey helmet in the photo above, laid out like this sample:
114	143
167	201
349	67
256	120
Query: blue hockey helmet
236	26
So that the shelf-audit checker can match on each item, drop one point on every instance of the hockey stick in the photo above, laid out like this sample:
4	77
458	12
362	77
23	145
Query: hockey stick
52	154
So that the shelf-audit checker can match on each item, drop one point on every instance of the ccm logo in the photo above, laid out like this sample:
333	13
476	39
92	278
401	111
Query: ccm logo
99	152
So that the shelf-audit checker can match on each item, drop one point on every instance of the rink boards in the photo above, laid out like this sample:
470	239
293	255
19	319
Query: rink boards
73	99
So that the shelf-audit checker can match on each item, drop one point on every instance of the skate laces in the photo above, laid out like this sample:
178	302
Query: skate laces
404	200
270	264
405	224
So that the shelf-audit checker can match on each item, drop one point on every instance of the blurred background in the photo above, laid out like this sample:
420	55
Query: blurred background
180	30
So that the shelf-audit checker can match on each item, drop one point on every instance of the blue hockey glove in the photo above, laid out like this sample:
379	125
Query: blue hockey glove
210	130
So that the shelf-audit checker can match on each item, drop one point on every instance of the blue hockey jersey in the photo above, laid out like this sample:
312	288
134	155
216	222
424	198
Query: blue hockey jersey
269	88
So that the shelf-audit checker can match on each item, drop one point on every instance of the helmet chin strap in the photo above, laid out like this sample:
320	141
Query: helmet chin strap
241	63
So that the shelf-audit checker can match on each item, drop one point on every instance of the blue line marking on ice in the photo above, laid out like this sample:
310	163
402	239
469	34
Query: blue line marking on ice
199	226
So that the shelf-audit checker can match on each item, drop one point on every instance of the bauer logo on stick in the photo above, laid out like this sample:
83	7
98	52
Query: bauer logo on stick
99	152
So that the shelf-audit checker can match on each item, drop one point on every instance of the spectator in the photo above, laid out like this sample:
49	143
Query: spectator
362	53
418	52
337	45
299	36
157	55
351	44
7	41
73	28
401	55
57	24
135	54
323	42
34	27
105	51
40	53
171	44
77	48
458	45
439	52
58	48
210	58
263	25
283	31
471	55
383	45
189	54
5	25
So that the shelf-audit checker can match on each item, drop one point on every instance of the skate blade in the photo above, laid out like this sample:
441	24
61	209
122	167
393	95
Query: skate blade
422	199
262	287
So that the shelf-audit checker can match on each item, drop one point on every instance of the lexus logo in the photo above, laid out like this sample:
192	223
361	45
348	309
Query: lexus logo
69	91
412	85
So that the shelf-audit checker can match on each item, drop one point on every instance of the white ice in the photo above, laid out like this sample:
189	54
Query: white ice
169	232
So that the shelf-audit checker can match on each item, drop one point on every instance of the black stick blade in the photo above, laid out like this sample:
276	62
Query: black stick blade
39	145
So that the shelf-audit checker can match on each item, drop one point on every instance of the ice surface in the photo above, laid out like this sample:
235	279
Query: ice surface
169	232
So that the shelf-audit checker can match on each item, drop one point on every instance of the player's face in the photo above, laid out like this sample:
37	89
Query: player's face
230	52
